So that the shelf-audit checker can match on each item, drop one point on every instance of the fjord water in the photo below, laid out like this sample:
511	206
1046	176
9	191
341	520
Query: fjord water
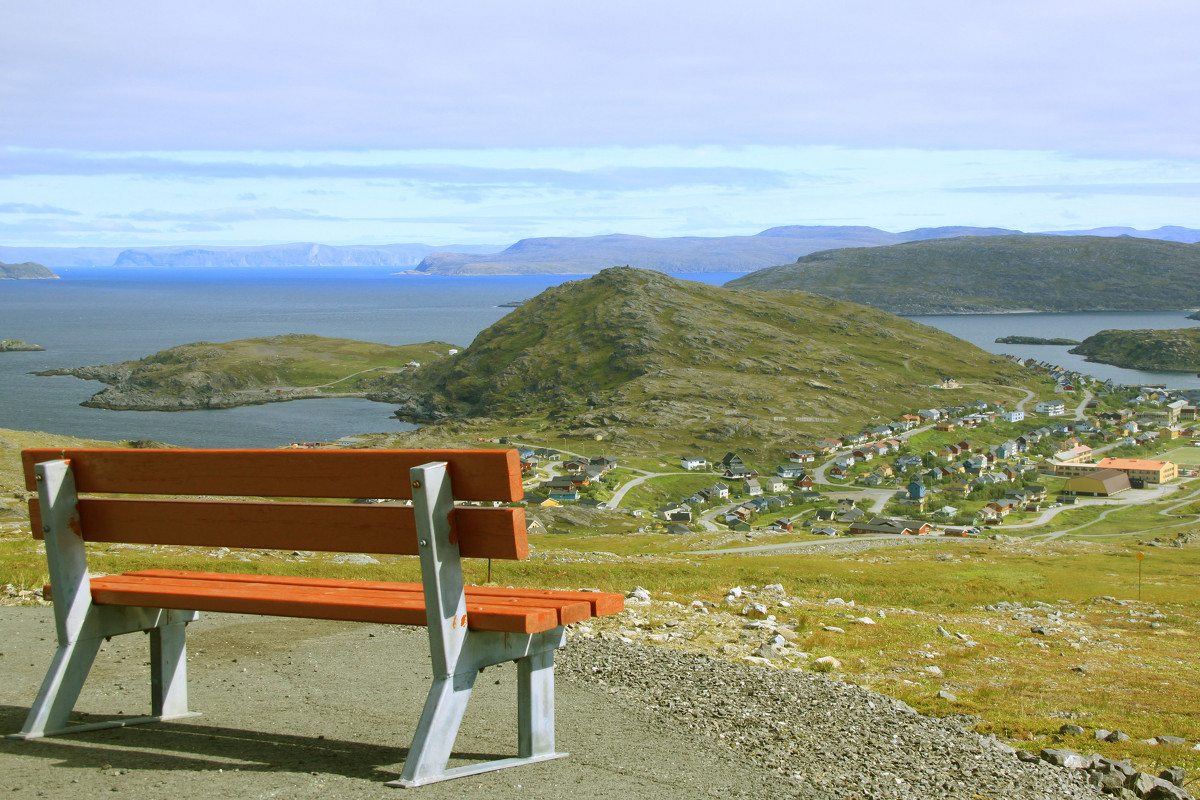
101	315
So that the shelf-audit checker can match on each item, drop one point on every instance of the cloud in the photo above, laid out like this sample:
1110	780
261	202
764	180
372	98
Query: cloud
224	215
26	208
1164	189
14	163
231	75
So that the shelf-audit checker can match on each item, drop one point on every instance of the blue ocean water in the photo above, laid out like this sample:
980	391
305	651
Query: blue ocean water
101	315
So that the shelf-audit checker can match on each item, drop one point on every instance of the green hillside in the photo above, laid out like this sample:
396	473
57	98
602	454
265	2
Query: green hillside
974	274
635	356
1154	350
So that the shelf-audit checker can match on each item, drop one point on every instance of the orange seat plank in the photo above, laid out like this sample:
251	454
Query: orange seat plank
341	527
600	603
569	610
474	474
390	607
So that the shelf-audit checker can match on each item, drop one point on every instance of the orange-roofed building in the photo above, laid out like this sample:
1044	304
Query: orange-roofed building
1143	469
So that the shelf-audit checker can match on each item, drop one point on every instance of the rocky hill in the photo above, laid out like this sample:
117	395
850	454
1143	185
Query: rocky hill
1153	350
589	254
26	271
636	356
999	273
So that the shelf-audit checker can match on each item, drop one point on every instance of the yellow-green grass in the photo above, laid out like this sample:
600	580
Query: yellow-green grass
1182	455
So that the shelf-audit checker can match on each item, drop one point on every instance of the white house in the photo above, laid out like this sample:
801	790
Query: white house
1013	416
693	462
1051	408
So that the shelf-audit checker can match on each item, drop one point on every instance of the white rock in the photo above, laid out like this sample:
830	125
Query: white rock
830	660
833	629
865	621
835	601
755	611
933	670
757	661
639	594
735	592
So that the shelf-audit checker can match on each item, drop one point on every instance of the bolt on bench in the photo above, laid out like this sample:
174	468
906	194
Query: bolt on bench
469	627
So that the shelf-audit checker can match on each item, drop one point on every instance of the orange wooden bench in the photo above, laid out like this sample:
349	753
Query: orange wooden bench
82	497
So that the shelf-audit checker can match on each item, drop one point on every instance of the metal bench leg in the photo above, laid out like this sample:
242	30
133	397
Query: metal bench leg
436	732
168	671
60	689
535	705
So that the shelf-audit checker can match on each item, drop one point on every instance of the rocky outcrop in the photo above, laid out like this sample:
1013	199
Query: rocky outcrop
16	345
27	271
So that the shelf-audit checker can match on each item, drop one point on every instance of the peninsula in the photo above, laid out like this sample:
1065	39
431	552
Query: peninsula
16	345
1033	340
1176	350
26	271
254	371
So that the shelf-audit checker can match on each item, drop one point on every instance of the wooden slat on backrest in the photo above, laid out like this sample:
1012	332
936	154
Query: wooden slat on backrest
474	474
328	527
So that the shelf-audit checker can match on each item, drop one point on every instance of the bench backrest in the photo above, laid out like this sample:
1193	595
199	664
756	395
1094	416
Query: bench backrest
332	475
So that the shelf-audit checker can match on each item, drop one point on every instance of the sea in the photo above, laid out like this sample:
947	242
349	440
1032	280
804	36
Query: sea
98	315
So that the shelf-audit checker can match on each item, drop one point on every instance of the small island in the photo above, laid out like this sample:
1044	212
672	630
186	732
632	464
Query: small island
26	271
1174	350
270	369
16	345
1033	340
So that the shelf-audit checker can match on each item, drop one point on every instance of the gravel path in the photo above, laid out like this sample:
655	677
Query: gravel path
301	708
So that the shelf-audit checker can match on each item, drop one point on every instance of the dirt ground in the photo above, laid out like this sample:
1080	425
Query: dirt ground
312	709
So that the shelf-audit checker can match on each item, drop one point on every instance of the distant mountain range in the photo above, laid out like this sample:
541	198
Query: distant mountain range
300	254
975	274
551	255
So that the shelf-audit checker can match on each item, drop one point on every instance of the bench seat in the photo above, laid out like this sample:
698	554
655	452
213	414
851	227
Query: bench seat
488	608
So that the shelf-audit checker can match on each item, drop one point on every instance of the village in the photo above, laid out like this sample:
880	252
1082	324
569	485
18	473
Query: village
956	470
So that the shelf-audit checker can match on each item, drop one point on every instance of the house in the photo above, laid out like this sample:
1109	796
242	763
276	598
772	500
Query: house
944	426
789	471
917	491
1144	470
719	491
825	531
1051	408
802	456
678	529
675	512
739	473
753	487
547	454
946	511
732	460
825	514
693	462
853	515
805	497
1012	416
783	524
894	525
907	462
844	504
1006	449
773	484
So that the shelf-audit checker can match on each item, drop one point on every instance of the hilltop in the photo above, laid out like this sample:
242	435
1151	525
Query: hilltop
27	271
251	372
637	357
999	273
1154	350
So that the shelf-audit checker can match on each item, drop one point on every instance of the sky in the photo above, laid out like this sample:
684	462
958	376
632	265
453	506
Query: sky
242	123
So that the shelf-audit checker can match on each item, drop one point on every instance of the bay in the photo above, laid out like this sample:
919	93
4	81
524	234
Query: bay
984	329
101	315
